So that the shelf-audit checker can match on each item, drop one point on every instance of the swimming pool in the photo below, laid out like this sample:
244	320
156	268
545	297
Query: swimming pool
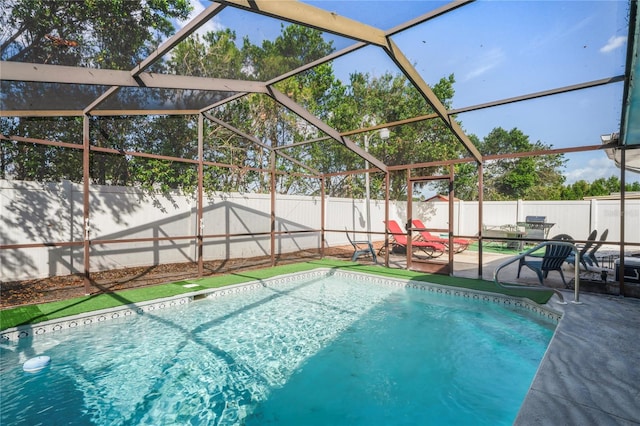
318	348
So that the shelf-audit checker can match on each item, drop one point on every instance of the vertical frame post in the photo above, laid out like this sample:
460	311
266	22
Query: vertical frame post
199	207
409	217
623	164
387	181
480	216
86	205
322	215
273	208
451	218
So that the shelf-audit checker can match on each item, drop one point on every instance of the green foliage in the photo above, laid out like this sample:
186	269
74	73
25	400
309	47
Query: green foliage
88	33
528	177
601	186
213	55
25	161
369	100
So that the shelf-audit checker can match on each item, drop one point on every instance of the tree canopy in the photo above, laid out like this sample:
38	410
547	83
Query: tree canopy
56	32
533	177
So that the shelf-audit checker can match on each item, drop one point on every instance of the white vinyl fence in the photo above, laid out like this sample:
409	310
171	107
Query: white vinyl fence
32	213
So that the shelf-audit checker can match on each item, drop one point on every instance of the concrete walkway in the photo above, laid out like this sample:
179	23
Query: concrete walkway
590	374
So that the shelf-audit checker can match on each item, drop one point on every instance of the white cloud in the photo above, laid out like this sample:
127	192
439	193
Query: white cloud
490	60
613	43
211	25
595	168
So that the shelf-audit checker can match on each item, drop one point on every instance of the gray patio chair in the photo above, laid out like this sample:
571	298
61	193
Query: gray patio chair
361	248
590	257
554	256
583	252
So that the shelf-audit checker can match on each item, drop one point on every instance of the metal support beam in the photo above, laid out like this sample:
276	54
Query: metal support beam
169	44
323	220
409	219
184	32
200	207
387	183
410	72
44	73
623	182
452	195
304	14
480	217
86	158
306	115
428	16
272	225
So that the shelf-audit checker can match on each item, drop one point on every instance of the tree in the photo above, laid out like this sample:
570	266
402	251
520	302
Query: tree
275	126
77	33
529	177
87	32
370	100
599	187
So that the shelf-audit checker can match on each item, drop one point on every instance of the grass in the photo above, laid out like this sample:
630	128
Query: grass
33	314
499	248
494	247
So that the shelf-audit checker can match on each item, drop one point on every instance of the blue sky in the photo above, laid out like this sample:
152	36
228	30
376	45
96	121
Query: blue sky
496	50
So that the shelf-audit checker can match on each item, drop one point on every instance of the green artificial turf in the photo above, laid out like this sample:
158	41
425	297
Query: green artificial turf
33	314
494	247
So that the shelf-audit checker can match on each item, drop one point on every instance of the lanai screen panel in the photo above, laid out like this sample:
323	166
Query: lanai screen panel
494	50
632	119
36	96
141	98
226	43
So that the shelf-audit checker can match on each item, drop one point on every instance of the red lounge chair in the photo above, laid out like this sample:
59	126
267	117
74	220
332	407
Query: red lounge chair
400	240
459	244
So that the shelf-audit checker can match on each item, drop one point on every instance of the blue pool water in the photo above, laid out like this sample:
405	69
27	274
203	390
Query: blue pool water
318	351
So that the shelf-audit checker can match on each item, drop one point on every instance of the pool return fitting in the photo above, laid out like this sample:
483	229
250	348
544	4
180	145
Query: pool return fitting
542	287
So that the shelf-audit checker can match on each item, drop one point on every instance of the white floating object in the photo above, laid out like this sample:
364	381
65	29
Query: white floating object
36	364
190	285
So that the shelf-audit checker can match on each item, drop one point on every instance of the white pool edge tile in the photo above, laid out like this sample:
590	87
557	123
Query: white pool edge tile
15	334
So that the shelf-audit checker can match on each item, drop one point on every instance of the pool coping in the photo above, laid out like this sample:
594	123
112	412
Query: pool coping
15	334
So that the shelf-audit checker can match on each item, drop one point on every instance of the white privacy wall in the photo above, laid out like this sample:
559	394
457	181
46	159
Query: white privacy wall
50	213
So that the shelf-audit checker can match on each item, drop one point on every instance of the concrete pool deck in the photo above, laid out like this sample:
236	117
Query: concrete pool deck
590	373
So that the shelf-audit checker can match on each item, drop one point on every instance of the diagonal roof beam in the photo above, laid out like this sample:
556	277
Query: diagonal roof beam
410	72
298	70
428	16
223	101
306	115
304	14
317	62
184	32
402	27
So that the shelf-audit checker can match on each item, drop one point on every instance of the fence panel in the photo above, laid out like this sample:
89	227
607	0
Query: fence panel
50	213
